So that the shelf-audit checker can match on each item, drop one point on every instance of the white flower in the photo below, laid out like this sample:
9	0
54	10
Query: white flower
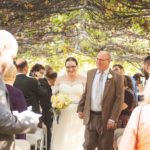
109	76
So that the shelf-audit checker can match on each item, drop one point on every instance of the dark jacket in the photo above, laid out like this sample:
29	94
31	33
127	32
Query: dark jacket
45	102
30	89
17	103
17	99
129	99
10	124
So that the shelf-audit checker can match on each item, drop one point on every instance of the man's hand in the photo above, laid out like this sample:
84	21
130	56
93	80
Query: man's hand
81	115
111	124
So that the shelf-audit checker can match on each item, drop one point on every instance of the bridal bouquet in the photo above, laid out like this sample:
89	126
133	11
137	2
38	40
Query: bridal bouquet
60	101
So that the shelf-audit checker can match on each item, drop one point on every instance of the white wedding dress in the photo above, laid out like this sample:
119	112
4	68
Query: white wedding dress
68	133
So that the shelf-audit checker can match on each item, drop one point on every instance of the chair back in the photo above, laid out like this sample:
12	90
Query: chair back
21	144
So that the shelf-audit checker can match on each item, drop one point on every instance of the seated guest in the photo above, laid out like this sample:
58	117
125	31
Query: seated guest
17	100
129	99
137	134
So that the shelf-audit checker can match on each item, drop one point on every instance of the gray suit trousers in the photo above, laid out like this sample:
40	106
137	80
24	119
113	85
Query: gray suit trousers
96	136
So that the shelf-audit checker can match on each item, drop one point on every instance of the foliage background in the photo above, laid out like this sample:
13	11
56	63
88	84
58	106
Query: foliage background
48	31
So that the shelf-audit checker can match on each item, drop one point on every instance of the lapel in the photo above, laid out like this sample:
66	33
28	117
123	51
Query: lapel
108	84
4	88
91	76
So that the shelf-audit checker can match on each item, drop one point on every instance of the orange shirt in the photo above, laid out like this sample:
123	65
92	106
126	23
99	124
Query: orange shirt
128	140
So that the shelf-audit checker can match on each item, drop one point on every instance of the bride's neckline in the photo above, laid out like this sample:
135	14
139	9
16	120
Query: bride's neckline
71	81
71	85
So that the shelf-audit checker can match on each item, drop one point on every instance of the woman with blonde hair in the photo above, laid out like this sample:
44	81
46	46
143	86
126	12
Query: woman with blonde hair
17	100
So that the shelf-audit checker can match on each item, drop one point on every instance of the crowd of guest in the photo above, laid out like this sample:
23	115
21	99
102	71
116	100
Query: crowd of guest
36	88
32	89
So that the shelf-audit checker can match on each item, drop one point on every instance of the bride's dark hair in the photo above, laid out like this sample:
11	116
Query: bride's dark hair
71	59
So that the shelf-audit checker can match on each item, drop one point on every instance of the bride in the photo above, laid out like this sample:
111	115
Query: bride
68	132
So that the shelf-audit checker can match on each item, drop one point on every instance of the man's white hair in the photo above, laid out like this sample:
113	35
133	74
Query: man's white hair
7	41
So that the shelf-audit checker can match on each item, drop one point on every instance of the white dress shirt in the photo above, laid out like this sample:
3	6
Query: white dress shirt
96	103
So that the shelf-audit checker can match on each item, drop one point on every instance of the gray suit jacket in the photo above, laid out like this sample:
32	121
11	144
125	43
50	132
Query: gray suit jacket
112	98
10	124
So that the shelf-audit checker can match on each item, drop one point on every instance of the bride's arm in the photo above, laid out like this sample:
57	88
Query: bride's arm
55	88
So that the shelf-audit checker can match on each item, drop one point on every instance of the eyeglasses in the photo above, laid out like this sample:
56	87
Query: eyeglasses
68	67
101	59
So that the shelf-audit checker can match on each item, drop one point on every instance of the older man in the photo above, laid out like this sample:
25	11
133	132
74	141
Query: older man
10	124
100	105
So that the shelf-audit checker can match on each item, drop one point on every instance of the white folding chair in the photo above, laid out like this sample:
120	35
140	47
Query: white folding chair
36	139
21	144
45	138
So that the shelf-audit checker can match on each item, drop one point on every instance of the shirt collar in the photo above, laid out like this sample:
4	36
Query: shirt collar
19	73
105	72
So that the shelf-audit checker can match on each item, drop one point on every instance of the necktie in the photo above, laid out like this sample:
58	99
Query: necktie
100	87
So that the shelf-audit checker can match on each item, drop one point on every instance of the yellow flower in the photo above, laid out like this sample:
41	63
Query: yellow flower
60	101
